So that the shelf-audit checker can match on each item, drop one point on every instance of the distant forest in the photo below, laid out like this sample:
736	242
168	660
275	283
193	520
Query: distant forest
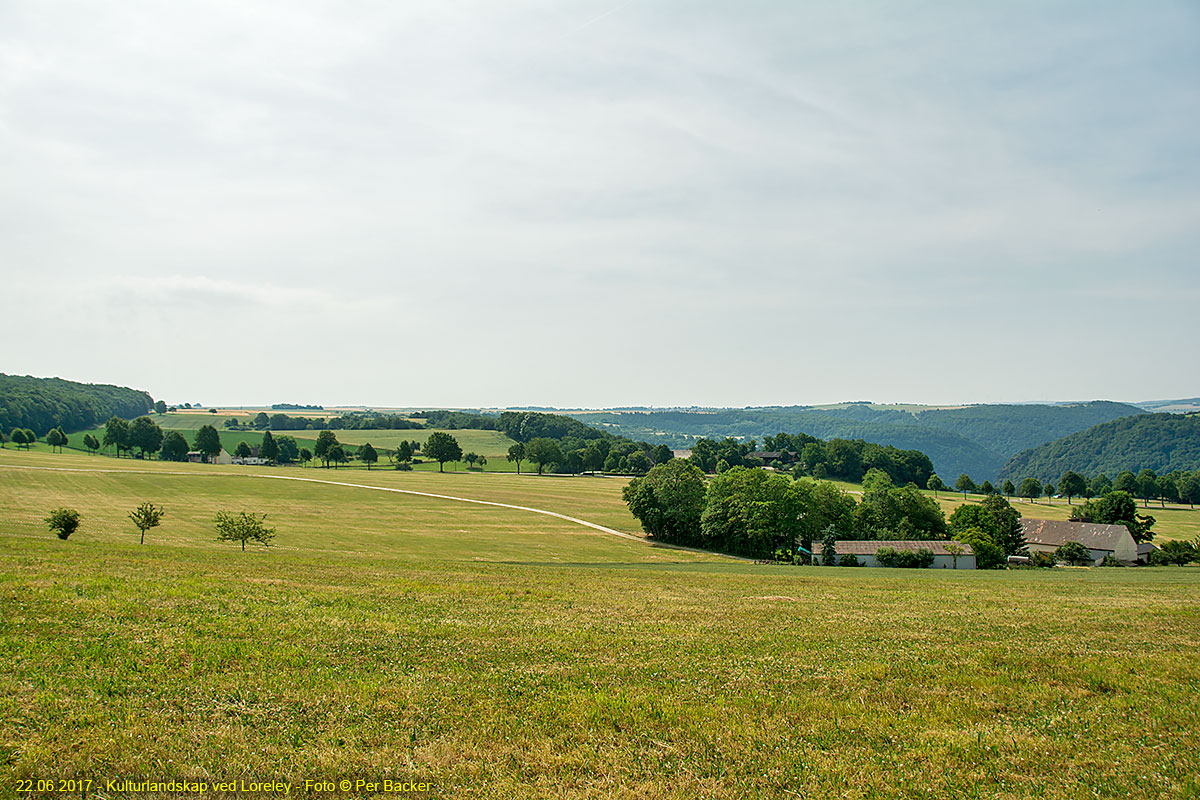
1160	442
41	404
976	440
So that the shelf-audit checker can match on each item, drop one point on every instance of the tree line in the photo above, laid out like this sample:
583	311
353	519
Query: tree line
758	514
43	404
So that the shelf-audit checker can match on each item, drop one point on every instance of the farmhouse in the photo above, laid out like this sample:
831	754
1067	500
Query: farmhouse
864	550
1046	535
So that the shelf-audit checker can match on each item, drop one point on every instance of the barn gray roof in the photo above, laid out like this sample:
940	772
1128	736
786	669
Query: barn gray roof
1091	535
867	547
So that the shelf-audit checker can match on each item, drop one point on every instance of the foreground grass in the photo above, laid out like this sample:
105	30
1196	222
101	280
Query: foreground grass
675	680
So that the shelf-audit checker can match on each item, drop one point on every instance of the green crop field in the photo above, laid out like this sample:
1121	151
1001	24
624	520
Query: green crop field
500	653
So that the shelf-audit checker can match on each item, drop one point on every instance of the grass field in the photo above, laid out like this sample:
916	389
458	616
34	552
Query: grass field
500	653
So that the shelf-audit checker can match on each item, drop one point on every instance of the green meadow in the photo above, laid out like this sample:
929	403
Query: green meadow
496	652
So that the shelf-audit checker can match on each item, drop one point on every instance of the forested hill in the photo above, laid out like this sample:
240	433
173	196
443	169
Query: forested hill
1009	429
976	440
1160	442
44	403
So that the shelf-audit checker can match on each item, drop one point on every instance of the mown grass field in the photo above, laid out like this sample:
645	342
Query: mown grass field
499	653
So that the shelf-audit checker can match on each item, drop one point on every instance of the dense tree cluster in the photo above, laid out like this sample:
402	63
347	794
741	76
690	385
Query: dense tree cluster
41	404
761	514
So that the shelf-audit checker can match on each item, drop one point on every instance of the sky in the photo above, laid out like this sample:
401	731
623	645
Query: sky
602	203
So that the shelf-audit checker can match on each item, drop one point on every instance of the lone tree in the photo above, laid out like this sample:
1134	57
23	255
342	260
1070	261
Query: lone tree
1049	490
368	455
146	436
208	442
829	547
145	517
174	448
243	527
543	451
1031	488
116	434
1008	489
63	521
326	440
517	453
160	407
934	484
441	447
269	449
964	484
1072	484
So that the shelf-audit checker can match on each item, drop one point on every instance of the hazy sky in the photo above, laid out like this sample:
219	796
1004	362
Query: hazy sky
602	203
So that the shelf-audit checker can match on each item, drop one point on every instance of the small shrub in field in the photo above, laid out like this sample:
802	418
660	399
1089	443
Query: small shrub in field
63	521
1043	560
904	559
1073	553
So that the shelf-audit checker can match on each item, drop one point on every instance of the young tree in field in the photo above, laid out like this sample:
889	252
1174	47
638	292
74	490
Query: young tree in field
1049	491
145	517
471	458
1072	484
441	447
1189	488
326	440
305	455
542	451
482	463
63	521
517	453
160	407
986	488
1008	489
208	442
242	450
955	550
268	449
53	439
174	447
243	527
367	455
964	484
935	484
116	434
1031	488
403	453
93	444
145	435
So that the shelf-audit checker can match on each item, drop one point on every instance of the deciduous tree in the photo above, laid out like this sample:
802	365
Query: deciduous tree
441	447
145	517
516	453
367	455
243	527
208	442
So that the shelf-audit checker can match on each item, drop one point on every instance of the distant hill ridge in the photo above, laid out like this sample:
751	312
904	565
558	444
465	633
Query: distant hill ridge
1161	442
977	439
43	403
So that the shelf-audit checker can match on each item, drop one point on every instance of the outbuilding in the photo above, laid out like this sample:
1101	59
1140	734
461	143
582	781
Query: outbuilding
1047	535
865	549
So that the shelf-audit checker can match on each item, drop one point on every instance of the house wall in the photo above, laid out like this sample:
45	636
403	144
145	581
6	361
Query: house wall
939	562
1097	555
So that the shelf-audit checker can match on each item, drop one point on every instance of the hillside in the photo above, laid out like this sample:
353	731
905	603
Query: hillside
976	440
1161	442
43	403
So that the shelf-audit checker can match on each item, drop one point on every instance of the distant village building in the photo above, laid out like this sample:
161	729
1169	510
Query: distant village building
1047	535
1144	551
864	550
681	453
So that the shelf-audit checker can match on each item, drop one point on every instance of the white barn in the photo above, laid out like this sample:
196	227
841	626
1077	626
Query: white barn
864	550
